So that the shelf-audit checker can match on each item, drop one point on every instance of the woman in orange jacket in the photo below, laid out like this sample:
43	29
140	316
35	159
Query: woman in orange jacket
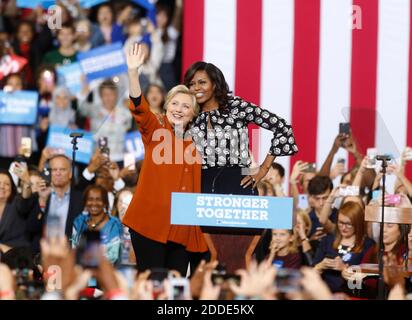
171	164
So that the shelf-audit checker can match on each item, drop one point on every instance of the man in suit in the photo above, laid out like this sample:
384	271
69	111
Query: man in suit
56	206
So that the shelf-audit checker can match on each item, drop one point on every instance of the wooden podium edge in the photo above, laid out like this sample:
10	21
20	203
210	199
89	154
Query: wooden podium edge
248	254
392	214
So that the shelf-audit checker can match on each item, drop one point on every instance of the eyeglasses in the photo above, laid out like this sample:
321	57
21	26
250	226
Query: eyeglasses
345	224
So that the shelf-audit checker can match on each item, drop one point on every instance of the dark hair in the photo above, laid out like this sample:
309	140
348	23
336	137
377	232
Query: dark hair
215	75
167	10
13	186
107	84
102	191
27	23
67	25
319	184
279	168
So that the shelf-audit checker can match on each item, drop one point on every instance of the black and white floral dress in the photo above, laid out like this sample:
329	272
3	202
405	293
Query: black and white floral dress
226	144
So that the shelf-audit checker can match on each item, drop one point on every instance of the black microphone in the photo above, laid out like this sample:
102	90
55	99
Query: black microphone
76	135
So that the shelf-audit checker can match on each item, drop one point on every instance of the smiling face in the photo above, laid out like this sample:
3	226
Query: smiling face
202	87
94	203
180	110
5	187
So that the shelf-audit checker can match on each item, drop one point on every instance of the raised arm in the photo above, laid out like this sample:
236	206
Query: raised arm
337	143
135	59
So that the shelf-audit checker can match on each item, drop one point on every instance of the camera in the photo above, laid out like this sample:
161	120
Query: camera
344	128
46	176
311	168
103	146
288	280
88	251
349	191
371	154
179	289
157	276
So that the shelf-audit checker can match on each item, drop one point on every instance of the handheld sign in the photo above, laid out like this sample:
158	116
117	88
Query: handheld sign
103	62
134	144
237	211
71	77
59	138
19	107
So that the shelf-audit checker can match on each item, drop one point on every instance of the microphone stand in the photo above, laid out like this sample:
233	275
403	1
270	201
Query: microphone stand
74	136
381	283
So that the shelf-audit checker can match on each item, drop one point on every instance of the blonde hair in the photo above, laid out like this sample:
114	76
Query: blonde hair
184	90
306	219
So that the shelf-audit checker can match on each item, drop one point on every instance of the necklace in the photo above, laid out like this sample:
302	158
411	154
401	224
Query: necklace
343	251
95	225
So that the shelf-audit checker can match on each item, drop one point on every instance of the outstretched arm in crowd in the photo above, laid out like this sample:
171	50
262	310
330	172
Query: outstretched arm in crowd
297	171
337	143
401	178
327	211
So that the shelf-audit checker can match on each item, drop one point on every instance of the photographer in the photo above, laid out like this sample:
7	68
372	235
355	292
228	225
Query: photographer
59	200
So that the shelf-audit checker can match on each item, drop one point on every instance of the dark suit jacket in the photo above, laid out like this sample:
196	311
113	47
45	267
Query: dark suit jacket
37	219
13	226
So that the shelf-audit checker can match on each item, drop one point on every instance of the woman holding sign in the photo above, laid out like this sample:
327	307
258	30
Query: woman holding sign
157	243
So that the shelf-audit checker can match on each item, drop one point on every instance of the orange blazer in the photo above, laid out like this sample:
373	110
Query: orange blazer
149	212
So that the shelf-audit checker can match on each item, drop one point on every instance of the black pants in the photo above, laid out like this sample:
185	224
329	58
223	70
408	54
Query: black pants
226	180
153	254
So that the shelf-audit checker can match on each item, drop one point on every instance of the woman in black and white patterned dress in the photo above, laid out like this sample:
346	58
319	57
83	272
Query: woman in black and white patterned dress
220	133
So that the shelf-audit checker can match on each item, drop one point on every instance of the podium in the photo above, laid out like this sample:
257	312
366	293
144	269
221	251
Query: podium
231	247
232	225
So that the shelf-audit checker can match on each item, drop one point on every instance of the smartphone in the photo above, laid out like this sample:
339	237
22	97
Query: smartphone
392	199
331	256
54	227
288	280
348	191
157	276
25	146
303	202
179	289
311	168
88	250
21	159
342	160
371	154
344	127
102	142
46	176
106	152
129	161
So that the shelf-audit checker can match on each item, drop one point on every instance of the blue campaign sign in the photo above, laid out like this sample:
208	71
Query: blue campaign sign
90	3
59	138
134	144
19	107
103	62
236	211
32	4
71	77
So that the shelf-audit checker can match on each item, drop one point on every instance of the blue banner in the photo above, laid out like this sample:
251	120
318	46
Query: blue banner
59	138
33	4
19	107
70	75
103	62
134	144
90	3
236	211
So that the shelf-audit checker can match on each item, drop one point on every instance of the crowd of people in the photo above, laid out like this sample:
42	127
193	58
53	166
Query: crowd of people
102	230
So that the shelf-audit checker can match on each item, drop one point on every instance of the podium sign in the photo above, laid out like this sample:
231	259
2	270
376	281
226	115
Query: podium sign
233	211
